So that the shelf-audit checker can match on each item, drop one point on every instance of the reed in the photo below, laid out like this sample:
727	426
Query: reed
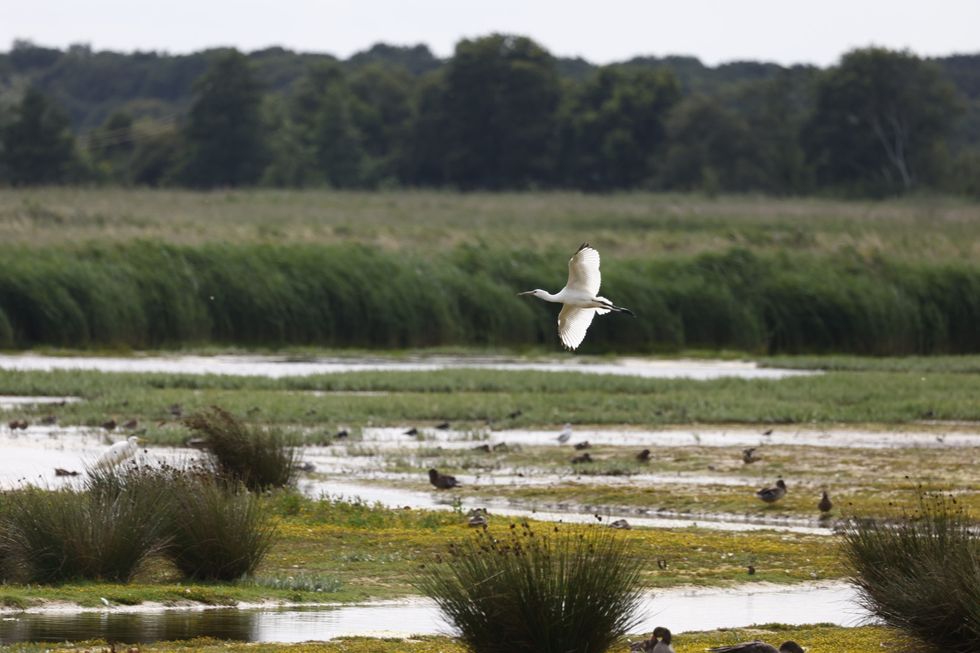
151	294
921	573
258	459
534	592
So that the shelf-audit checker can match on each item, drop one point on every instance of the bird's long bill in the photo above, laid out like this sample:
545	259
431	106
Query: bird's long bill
526	292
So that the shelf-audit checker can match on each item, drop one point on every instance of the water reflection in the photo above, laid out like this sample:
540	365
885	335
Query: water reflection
681	610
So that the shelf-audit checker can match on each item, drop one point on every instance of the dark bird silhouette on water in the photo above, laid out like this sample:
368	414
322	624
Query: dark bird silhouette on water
759	647
485	448
772	494
58	471
109	425
412	431
443	426
825	504
442	481
643	456
341	434
767	432
584	458
579	446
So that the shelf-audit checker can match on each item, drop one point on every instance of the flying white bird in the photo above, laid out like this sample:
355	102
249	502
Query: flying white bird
119	452
579	297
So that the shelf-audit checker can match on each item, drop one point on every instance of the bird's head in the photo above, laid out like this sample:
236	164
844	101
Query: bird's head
791	647
662	634
537	292
781	483
433	474
133	439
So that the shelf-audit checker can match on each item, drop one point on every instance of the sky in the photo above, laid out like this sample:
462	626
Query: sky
601	31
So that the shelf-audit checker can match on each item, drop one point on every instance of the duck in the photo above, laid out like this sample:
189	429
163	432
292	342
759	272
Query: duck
825	504
659	642
749	457
772	494
759	647
443	426
584	458
579	446
442	481
643	456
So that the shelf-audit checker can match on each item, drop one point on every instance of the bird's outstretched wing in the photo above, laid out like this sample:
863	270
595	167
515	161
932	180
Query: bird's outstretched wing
573	322
583	271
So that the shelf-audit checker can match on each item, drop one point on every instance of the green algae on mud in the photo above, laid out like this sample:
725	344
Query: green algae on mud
368	552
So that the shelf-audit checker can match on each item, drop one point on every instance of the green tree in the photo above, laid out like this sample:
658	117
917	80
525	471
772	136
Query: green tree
710	149
878	118
382	113
224	132
614	128
501	98
36	146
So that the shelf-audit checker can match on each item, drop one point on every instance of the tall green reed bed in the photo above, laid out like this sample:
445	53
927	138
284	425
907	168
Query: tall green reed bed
920	574
207	526
537	592
149	294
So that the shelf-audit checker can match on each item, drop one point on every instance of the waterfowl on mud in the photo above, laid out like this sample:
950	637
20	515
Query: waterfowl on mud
579	446
659	642
749	457
442	481
825	504
772	494
759	647
584	458
643	456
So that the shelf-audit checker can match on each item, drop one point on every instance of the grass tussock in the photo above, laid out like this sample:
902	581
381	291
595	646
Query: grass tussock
258	459
151	294
218	531
104	531
575	590
921	574
69	534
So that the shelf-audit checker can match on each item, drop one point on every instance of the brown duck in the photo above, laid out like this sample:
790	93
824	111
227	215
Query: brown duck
643	456
772	494
825	504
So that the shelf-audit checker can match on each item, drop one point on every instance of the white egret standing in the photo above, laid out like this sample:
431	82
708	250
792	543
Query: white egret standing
579	297
119	452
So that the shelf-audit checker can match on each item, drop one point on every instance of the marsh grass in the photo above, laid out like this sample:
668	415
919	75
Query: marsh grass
259	459
153	294
218	530
921	573
53	536
537	592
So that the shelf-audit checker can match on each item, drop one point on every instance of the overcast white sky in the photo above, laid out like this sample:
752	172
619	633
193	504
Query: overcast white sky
785	31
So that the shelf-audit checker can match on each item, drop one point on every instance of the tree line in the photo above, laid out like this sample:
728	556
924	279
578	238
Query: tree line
501	114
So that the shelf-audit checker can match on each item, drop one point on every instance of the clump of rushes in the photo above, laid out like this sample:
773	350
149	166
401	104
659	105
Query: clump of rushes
564	590
260	459
219	530
920	574
51	536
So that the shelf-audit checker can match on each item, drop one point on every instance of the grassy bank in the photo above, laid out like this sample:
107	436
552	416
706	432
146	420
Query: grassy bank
818	638
469	397
356	552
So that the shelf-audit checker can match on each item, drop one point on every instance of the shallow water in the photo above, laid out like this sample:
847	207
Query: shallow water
8	402
843	438
679	610
277	366
569	513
